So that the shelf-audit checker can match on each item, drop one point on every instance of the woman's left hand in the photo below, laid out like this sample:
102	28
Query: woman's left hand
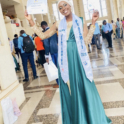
95	17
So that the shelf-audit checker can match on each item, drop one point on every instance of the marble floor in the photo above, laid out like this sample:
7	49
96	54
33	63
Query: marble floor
42	104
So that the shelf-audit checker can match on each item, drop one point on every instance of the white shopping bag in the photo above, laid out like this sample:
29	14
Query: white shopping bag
8	112
51	71
49	57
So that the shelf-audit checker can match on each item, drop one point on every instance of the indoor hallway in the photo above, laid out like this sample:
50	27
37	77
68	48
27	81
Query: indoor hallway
42	104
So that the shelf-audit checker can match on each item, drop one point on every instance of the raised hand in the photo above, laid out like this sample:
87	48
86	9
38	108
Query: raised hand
27	16
95	17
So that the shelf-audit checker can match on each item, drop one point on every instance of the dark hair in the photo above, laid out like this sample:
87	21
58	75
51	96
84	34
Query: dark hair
104	21
43	23
15	35
35	35
22	32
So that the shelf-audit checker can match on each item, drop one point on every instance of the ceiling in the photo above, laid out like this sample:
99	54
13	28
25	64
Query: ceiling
7	3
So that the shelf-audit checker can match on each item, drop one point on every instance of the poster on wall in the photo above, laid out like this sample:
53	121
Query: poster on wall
37	7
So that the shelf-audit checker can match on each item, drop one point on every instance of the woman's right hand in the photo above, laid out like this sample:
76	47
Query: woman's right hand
27	16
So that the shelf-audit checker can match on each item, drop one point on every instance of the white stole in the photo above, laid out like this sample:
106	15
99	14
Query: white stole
62	52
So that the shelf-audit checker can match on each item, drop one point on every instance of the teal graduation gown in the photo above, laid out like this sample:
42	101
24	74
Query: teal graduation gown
83	105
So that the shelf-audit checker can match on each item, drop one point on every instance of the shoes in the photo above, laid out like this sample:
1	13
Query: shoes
107	47
25	80
35	77
56	86
99	48
110	47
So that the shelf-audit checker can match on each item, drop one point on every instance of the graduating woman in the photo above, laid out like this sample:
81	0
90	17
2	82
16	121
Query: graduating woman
80	100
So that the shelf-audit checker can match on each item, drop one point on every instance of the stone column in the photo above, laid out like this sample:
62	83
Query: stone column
6	76
39	18
10	86
20	10
120	8
77	7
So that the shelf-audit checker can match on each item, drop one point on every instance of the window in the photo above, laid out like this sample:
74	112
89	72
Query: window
100	5
56	12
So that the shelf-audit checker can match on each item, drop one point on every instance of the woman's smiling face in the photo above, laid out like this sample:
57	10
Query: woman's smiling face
64	8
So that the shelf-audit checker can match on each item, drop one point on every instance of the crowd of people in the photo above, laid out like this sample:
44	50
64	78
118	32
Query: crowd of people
49	46
25	45
108	31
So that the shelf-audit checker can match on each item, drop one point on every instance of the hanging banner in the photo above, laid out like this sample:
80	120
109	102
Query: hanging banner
37	6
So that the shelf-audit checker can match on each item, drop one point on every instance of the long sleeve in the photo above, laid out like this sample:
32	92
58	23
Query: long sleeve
88	35
45	35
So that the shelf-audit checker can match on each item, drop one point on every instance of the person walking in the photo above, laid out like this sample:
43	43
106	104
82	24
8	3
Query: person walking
93	39
108	32
118	28
80	101
40	49
97	36
11	44
123	26
51	47
103	34
26	45
17	50
15	42
114	29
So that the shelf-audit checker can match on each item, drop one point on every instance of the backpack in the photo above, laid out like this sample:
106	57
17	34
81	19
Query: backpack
28	45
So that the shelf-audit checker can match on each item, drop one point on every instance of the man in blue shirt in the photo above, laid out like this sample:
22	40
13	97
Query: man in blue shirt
108	32
97	35
51	46
26	56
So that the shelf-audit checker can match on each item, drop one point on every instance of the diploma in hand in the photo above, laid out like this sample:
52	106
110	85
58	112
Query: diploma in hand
37	6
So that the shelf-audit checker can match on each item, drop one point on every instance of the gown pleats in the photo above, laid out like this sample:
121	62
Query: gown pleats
82	104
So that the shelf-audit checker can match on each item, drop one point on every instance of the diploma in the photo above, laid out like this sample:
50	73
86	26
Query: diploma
37	6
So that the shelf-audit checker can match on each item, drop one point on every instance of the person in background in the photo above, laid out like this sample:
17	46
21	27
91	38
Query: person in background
26	45
11	44
51	47
121	29
114	28
17	50
103	34
97	36
100	29
40	49
108	32
15	42
123	26
118	24
93	39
